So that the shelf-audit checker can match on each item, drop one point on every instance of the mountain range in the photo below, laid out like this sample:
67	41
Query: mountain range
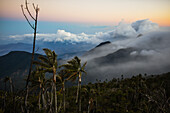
61	48
143	54
16	64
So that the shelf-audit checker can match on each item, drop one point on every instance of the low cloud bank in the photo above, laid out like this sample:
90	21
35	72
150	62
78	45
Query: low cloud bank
122	30
148	53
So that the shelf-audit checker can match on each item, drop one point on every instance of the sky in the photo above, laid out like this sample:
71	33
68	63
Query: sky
75	17
121	31
92	11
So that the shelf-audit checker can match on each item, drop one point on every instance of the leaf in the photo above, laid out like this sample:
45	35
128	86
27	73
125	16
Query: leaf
41	64
71	76
84	72
44	59
48	52
57	76
84	65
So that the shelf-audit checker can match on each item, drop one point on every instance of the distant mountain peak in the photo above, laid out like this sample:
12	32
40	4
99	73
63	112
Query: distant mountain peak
139	35
103	43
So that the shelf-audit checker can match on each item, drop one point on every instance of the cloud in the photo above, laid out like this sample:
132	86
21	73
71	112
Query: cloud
144	26
124	29
61	36
145	54
134	53
121	31
150	51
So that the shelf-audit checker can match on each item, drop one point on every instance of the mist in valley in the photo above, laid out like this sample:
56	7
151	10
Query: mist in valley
142	48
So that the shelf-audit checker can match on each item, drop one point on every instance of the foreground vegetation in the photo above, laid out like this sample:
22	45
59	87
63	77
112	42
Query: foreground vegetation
47	92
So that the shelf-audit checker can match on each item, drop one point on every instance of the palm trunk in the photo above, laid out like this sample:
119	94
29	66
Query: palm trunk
96	103
51	100
12	92
79	94
11	85
44	101
88	107
54	84
64	97
60	106
26	99
22	109
39	100
55	99
5	96
80	99
77	97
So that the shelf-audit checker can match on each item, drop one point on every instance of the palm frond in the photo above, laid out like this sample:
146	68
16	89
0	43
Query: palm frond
54	56
34	87
41	64
69	66
71	76
48	52
59	77
44	59
49	70
83	66
6	79
84	71
56	64
78	60
72	62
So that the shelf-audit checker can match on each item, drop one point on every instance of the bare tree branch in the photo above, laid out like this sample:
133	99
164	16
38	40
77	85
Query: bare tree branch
37	9
34	26
34	6
26	4
26	17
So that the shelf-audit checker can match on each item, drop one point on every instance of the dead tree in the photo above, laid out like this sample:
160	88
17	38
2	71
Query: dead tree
34	27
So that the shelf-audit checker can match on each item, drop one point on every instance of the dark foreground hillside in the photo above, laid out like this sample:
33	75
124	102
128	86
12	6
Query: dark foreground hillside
138	94
15	65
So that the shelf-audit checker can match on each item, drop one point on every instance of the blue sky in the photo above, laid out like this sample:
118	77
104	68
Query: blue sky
18	27
13	31
13	27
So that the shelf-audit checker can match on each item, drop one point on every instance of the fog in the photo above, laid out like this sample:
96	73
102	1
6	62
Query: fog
137	47
149	53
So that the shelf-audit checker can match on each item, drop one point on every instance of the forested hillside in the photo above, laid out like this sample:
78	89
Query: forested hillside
138	94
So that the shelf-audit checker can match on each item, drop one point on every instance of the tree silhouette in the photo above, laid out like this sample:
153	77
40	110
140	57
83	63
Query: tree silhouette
75	69
63	74
49	64
34	27
38	81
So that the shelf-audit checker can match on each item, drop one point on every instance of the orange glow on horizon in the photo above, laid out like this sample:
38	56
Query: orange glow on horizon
92	11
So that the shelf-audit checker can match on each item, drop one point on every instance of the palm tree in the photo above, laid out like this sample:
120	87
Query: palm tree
39	81
63	75
49	64
11	90
10	82
5	81
91	95
75	69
